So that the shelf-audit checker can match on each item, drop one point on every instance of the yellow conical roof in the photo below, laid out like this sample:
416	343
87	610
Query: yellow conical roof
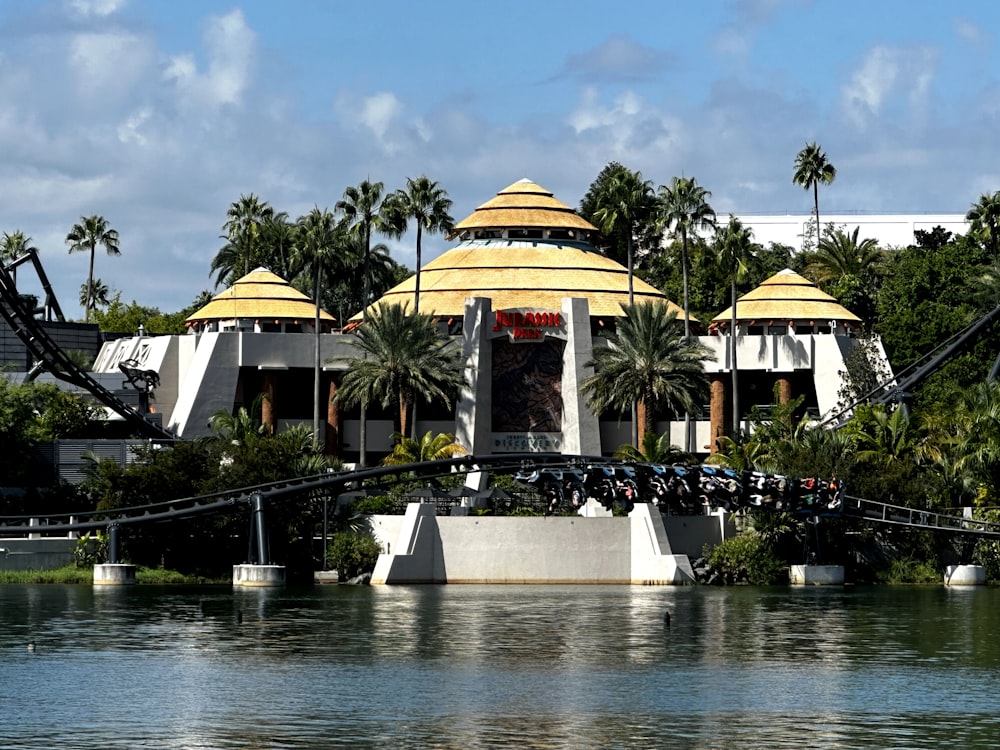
259	294
524	204
524	272
786	296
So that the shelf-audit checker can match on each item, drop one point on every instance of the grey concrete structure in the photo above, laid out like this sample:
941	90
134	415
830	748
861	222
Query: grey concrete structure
425	548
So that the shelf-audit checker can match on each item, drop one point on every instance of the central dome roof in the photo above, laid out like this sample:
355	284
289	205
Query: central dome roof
523	249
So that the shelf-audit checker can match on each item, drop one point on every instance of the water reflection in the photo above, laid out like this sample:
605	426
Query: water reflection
483	667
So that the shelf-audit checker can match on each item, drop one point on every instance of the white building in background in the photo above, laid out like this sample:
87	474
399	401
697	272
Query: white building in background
889	230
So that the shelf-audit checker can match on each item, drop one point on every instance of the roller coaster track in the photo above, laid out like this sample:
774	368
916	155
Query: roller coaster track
330	485
33	335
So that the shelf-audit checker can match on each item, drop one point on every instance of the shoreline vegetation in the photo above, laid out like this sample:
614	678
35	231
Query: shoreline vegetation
71	574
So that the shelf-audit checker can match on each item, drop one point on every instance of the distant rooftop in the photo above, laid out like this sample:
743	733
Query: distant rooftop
889	230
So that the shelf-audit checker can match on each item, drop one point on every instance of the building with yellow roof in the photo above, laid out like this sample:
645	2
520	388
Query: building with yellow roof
526	294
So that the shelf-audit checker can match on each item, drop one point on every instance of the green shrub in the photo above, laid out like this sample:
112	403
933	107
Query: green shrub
353	553
909	570
747	559
381	505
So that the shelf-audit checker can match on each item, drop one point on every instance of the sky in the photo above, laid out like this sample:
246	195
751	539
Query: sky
158	115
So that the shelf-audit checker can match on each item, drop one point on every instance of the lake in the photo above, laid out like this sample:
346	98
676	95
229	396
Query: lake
500	666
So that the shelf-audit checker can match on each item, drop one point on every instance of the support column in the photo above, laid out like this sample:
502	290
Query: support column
717	412
784	389
113	572
474	411
580	428
260	572
332	421
268	412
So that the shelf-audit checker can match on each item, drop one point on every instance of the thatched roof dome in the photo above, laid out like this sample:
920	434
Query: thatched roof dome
787	297
523	249
259	295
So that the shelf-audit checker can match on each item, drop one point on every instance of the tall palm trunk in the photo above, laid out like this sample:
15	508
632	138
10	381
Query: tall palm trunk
366	286
688	426
635	405
316	360
416	298
90	284
732	362
816	203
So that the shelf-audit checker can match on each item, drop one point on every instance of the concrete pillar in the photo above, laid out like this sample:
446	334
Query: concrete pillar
258	576
784	389
332	421
114	574
580	428
816	575
717	411
474	411
268	410
965	575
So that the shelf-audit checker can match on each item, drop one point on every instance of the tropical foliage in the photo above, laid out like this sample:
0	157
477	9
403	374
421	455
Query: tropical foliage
427	205
402	359
683	210
91	232
623	207
648	361
406	450
812	169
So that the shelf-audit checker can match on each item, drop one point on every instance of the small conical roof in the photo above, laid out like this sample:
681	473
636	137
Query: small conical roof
259	294
524	204
786	296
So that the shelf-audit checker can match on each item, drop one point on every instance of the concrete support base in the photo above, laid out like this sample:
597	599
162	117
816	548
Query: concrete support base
114	574
816	575
258	576
965	575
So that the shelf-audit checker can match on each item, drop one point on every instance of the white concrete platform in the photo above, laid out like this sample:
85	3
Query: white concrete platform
425	548
114	574
258	576
965	575
816	575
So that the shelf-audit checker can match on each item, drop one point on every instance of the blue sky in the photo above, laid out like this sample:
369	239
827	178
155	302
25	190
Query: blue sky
157	115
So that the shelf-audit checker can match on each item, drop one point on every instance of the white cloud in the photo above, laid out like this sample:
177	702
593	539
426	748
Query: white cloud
130	131
379	111
885	73
618	58
108	65
230	47
971	33
99	8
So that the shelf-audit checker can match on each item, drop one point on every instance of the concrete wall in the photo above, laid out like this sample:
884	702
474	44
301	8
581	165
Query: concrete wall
486	549
35	554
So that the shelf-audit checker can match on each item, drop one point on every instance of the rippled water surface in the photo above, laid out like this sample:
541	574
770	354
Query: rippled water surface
499	666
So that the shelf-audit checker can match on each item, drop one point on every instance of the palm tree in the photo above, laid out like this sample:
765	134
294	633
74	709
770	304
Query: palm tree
244	220
626	202
96	296
428	205
363	209
655	450
407	450
277	239
85	237
403	358
984	220
840	254
318	237
684	208
649	361
735	249
811	169
14	245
